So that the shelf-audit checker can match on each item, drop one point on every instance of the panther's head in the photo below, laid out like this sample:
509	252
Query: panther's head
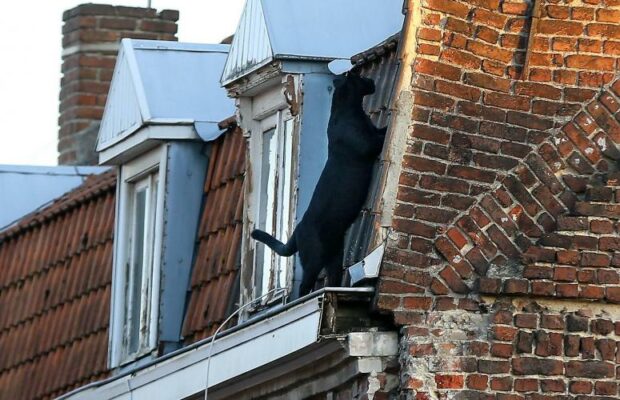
354	85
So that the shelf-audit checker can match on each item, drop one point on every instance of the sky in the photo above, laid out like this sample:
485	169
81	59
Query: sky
30	65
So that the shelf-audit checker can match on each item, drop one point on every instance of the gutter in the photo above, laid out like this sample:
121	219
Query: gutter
308	324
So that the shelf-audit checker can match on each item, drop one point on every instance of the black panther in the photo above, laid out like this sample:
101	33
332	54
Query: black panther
353	145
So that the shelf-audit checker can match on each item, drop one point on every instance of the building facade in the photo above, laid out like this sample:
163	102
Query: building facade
483	266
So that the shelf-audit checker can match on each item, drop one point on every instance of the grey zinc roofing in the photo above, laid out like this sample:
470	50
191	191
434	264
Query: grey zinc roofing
162	82
308	30
24	189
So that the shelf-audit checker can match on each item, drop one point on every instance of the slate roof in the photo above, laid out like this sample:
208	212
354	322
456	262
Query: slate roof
55	277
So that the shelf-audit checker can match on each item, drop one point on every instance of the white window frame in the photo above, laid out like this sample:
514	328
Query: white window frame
277	272
144	171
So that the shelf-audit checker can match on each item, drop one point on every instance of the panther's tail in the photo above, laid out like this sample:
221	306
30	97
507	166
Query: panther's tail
280	248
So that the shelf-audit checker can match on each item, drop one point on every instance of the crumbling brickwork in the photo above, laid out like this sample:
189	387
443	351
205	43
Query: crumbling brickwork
507	200
91	34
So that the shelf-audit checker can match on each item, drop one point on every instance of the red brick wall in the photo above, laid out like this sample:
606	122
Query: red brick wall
91	33
507	190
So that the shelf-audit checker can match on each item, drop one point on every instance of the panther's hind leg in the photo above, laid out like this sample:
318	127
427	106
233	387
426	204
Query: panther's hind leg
334	269
311	254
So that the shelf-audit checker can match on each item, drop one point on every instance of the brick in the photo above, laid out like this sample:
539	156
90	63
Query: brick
433	100
437	69
417	196
516	286
529	121
564	274
572	345
606	349
608	277
485	17
453	280
458	90
578	95
471	173
537	89
548	344
507	101
417	303
501	383
423	164
526	320
555	322
449	381
609	31
560	28
503	131
477	381
449	7
552	385
589	369
580	387
480	111
590	62
493	367
518	8
444	184
606	388
526	385
557	12
487	81
602	326
608	243
595	260
429	133
582	14
612	294
415	228
536	366
451	253
430	34
489	51
567	290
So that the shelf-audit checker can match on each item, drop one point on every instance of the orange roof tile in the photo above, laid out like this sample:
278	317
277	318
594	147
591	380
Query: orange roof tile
55	279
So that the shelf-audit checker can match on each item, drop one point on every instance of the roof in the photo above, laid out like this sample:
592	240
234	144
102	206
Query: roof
56	273
26	188
165	83
380	63
308	30
55	277
215	277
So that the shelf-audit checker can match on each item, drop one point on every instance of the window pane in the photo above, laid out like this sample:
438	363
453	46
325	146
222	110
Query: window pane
136	269
286	171
266	207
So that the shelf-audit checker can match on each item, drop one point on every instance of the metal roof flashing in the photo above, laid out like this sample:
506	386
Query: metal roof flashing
310	30
314	321
166	84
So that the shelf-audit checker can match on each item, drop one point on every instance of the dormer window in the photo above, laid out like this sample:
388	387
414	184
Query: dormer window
278	71
138	253
274	206
163	109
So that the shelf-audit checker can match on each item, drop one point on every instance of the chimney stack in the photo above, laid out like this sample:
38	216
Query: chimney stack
91	38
